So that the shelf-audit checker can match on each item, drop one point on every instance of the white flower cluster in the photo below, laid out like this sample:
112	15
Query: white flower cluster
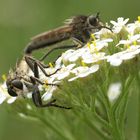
79	63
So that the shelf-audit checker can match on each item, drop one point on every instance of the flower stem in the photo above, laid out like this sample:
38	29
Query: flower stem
55	129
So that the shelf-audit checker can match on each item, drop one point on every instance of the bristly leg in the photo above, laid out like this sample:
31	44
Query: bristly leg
58	48
36	96
38	101
35	64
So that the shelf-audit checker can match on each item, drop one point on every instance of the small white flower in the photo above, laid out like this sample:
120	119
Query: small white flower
48	71
97	45
83	71
120	21
29	95
29	107
49	92
103	31
22	115
114	60
117	58
65	56
47	96
114	91
47	79
131	40
2	97
76	54
11	100
89	58
132	26
119	24
64	72
63	75
58	63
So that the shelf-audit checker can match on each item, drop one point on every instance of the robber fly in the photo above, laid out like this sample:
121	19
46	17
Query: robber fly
79	28
21	81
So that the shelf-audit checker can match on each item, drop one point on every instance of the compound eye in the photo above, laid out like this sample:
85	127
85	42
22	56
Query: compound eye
11	92
93	21
17	84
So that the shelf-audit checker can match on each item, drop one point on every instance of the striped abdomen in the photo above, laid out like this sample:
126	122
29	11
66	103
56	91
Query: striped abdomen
49	38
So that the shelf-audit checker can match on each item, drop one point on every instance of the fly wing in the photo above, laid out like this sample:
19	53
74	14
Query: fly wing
76	20
49	38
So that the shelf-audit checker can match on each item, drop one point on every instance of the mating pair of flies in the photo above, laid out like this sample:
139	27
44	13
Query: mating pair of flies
78	28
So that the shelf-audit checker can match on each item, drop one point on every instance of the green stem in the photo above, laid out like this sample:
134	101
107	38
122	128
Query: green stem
54	128
122	115
99	118
97	130
113	122
114	130
103	122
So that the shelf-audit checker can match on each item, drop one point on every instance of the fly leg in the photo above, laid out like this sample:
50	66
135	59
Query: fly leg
36	96
35	64
57	48
38	101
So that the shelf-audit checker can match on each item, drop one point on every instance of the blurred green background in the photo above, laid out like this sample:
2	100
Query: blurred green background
22	19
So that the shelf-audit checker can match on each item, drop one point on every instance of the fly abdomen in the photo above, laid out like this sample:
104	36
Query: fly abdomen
48	38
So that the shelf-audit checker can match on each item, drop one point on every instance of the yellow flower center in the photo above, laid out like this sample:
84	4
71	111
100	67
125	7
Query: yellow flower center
139	18
135	43
93	37
4	77
128	46
45	84
83	64
88	45
94	43
51	65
